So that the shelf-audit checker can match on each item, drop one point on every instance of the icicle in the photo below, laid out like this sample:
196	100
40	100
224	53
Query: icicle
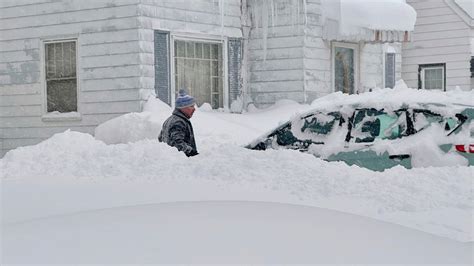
255	17
305	13
293	15
221	10
273	16
265	27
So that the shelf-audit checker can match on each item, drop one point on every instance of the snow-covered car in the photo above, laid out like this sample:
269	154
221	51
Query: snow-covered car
377	138
222	232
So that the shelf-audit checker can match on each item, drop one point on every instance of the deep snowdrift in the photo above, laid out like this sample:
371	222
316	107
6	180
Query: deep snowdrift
71	166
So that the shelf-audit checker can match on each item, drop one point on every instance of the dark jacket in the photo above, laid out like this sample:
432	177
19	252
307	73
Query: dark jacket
177	131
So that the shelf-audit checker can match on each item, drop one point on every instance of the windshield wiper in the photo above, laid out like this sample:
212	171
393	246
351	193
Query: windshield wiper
461	118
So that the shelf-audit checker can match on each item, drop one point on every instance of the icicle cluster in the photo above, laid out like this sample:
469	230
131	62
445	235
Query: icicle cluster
265	13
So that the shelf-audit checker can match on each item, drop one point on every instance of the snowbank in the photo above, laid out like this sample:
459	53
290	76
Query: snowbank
140	170
297	177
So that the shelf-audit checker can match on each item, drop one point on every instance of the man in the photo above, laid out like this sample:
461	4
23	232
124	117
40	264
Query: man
177	130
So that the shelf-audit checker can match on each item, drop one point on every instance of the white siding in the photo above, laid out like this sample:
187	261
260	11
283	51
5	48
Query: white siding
109	71
317	59
440	36
278	73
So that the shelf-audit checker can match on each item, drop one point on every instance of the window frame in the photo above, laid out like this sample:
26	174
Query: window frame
421	74
204	39
69	116
356	49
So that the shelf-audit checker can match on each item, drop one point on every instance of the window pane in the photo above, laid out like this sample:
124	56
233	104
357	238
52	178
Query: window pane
198	50
433	78
214	51
179	49
60	60
390	70
206	49
344	69
189	49
62	95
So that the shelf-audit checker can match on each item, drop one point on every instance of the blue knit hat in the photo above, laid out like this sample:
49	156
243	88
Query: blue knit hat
184	100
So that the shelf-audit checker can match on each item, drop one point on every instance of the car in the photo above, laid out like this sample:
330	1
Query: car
218	232
380	137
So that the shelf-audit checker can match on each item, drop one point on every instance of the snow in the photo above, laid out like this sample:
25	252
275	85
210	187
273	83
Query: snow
396	97
73	175
467	6
223	232
355	17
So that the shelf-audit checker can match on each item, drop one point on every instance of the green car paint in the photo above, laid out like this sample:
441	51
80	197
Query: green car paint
370	159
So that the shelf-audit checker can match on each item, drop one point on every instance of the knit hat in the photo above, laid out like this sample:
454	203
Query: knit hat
184	100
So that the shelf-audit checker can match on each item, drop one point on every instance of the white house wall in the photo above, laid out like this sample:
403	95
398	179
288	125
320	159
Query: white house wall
298	63
317	55
277	73
372	64
196	18
108	59
440	36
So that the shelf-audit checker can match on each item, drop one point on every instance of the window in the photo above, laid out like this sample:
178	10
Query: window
61	78
389	70
371	124
345	58
432	77
198	67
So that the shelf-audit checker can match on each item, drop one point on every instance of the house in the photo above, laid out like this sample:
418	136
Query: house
75	64
441	54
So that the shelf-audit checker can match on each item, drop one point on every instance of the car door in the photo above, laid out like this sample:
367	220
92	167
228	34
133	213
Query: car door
367	125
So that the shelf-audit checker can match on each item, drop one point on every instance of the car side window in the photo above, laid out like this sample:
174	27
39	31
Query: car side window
320	123
284	137
370	124
424	118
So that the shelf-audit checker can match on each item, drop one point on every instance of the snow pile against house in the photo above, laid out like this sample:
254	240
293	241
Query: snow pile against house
212	126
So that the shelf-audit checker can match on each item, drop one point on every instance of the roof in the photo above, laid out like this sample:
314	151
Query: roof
467	6
382	20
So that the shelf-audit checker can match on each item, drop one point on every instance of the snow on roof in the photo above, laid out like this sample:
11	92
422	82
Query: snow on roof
356	17
467	6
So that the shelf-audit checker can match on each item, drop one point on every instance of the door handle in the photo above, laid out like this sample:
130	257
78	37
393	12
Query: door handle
399	156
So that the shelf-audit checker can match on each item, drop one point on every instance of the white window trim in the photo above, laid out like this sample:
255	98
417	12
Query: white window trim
356	49
200	38
423	76
53	116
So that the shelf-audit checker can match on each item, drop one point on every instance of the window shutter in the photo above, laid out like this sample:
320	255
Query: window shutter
390	70
235	67
472	66
162	66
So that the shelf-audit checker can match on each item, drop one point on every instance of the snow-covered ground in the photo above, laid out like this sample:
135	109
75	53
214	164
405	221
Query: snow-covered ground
124	165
